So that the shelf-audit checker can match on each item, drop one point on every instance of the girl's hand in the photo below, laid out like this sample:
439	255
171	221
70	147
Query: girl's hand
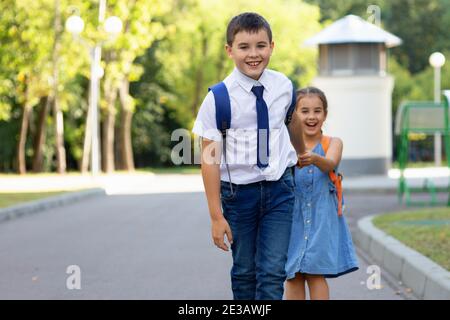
306	159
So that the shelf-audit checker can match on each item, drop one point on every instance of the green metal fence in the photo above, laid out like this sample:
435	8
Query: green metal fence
428	118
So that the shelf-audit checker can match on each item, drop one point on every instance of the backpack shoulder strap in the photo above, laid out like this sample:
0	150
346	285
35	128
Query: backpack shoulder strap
336	178
291	109
325	141
223	108
223	118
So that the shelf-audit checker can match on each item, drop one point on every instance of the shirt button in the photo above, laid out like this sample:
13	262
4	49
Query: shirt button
310	171
309	204
306	238
308	221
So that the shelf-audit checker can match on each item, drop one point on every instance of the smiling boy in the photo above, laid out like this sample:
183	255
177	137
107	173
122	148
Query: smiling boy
251	197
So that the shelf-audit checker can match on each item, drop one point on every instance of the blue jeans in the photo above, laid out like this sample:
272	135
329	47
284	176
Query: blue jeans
260	218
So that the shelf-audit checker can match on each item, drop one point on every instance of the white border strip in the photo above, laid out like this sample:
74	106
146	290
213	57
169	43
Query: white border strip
20	210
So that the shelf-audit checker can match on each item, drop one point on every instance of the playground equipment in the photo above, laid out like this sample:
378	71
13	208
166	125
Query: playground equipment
428	118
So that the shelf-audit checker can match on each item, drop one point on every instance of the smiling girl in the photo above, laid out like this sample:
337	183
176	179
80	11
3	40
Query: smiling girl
321	245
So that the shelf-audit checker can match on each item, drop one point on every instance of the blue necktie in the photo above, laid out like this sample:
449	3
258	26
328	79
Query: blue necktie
263	128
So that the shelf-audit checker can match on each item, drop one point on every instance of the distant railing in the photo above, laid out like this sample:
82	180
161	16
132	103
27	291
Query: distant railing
421	117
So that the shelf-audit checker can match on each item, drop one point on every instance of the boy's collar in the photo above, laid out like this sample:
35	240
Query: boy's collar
247	83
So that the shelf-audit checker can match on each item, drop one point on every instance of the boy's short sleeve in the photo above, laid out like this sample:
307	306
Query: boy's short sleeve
292	97
205	123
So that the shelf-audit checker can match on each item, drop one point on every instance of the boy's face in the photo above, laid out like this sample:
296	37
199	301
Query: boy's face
251	52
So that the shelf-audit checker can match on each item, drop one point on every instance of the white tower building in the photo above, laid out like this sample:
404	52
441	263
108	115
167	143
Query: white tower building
353	75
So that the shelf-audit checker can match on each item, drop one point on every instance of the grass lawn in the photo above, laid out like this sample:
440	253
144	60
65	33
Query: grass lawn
426	231
9	199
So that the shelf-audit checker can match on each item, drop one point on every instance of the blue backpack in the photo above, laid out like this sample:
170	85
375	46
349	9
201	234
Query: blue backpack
223	108
223	114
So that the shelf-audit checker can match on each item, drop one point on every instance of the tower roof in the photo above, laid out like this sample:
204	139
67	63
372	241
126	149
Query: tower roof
354	29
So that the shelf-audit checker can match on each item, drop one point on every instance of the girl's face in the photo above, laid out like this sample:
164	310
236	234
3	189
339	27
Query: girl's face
312	115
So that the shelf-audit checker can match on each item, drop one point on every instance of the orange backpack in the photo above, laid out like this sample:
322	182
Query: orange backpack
335	177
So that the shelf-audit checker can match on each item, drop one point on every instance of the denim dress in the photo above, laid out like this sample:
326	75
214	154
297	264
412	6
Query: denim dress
320	243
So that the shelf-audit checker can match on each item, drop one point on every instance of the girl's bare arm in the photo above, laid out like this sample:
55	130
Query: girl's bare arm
332	158
327	163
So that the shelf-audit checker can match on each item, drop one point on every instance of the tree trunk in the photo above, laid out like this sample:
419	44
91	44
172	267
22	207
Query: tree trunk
39	140
126	149
21	162
57	113
108	128
118	143
84	167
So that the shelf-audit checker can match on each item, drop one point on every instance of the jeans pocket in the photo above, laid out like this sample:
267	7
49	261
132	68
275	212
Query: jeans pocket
226	193
287	180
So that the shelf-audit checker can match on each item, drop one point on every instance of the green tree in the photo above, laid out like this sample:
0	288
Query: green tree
142	26
332	10
29	70
36	69
423	26
194	55
155	117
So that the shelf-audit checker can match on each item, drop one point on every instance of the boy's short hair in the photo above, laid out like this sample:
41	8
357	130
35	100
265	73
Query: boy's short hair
248	21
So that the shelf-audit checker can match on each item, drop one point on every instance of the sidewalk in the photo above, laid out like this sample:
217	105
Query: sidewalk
415	177
142	183
118	183
152	246
181	193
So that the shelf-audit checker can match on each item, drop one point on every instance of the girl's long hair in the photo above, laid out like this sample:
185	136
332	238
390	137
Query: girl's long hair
304	92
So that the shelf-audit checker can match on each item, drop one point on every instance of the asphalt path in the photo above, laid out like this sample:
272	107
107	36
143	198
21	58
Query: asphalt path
149	246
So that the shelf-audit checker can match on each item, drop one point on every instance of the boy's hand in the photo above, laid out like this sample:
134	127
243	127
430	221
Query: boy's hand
219	228
296	133
306	159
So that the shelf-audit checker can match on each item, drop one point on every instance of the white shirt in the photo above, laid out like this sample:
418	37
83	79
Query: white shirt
242	136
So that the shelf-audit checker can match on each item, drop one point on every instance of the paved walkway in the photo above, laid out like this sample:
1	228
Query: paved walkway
143	183
151	244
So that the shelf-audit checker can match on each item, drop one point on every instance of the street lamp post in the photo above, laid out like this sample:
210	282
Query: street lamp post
437	60
93	105
112	26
